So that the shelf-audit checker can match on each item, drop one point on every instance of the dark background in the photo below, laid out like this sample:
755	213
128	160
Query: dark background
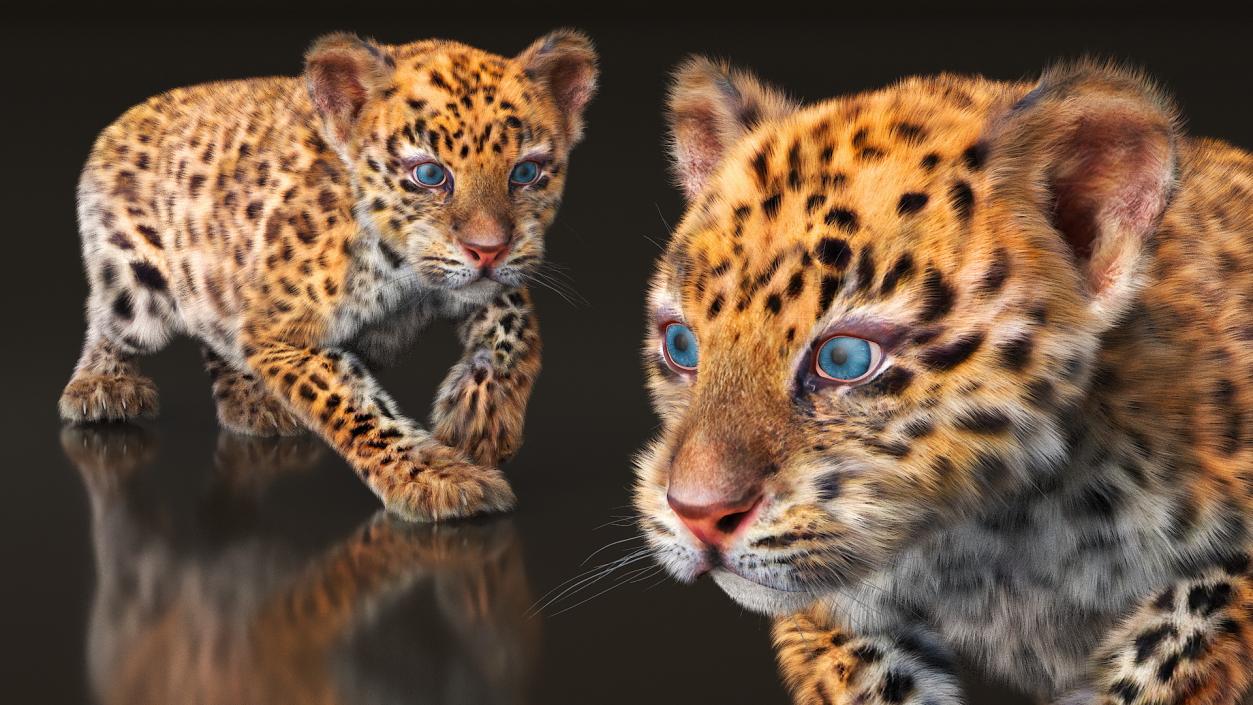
65	78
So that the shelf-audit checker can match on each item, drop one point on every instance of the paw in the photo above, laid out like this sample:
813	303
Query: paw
479	414
436	485
253	412
92	397
827	665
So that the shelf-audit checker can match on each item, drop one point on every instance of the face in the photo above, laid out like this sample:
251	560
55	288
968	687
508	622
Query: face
853	340
461	155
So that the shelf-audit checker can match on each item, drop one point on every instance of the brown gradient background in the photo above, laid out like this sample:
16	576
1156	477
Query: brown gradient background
66	77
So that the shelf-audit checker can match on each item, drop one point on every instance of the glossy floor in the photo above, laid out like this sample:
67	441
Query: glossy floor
175	564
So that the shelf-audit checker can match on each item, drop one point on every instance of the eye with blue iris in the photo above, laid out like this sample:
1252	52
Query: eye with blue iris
679	346
430	175
844	358
524	173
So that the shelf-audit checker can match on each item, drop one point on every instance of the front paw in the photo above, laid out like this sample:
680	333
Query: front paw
828	665
437	485
93	397
479	414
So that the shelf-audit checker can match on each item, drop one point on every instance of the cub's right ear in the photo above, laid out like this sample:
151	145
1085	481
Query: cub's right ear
711	107
342	72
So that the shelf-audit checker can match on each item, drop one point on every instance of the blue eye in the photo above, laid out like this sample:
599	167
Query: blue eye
430	174
846	359
680	347
524	173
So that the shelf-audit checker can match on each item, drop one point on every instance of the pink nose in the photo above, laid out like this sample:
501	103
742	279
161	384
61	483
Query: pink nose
715	524
486	256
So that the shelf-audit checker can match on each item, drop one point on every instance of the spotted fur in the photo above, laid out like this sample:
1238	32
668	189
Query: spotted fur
1050	474
277	221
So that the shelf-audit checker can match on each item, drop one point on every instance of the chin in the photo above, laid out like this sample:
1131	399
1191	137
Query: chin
759	598
479	291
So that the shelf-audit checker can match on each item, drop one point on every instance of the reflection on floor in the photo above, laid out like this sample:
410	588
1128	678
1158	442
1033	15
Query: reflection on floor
392	613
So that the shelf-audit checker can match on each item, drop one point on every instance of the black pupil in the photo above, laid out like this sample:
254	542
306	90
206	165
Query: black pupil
839	355
680	342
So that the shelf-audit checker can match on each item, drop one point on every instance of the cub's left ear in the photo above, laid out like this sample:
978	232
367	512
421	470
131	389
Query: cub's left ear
1092	148
564	62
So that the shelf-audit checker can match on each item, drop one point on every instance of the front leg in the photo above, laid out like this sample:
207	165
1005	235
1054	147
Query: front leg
1190	644
827	664
415	476
481	405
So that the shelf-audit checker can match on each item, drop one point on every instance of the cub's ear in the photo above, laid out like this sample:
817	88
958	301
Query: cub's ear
342	72
712	106
564	62
1092	148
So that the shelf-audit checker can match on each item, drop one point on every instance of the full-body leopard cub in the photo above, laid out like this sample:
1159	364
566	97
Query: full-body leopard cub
961	369
300	227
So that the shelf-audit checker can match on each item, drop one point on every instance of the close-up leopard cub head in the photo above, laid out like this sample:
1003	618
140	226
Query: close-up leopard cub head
880	313
459	156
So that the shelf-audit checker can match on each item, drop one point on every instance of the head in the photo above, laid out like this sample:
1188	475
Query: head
878	313
459	156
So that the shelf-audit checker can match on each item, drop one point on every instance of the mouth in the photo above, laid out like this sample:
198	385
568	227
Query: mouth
757	596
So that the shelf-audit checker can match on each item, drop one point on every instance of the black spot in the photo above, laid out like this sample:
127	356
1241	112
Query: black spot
715	307
389	252
867	653
946	357
1207	599
984	421
774	303
897	686
918	428
1100	500
307	392
910	132
123	307
1015	354
761	166
937	297
815	202
833	252
829	287
930	161
1165	602
770	206
795	285
865	268
1147	642
903	269
962	198
150	234
997	272
975	156
842	218
911	203
148	275
1126	690
1167	668
830	486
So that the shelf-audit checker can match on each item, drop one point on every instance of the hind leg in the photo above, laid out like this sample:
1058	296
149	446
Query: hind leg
130	310
244	406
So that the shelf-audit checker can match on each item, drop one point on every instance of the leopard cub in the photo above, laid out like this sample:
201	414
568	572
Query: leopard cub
303	227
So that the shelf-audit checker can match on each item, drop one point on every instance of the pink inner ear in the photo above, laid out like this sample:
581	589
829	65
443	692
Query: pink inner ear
700	147
573	82
337	88
1110	186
